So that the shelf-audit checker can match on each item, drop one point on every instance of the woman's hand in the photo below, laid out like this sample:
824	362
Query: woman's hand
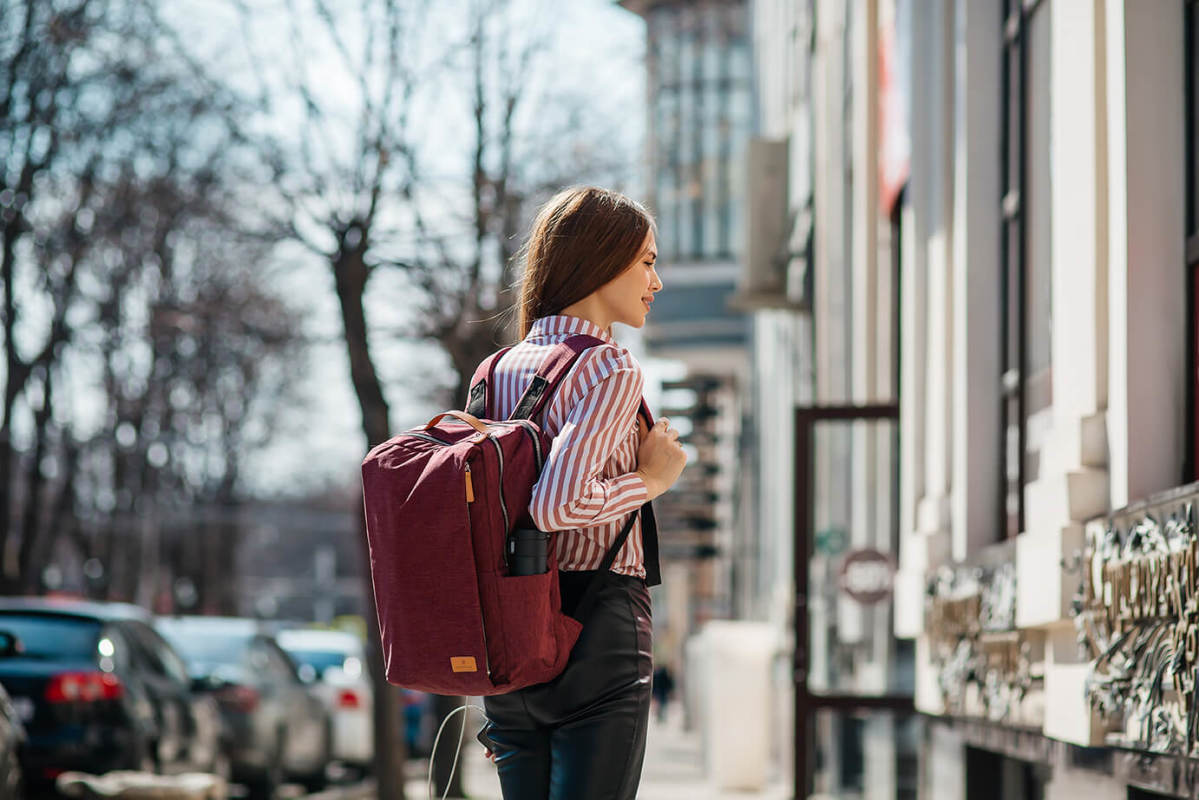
660	458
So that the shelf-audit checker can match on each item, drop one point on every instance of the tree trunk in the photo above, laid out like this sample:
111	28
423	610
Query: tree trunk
33	555
350	275
10	574
445	784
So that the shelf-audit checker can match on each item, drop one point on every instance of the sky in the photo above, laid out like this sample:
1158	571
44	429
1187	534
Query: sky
595	46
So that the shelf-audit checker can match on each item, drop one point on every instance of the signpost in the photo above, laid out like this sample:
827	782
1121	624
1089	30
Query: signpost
867	575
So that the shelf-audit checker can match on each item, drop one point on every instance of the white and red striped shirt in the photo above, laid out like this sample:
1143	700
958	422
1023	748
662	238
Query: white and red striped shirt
588	486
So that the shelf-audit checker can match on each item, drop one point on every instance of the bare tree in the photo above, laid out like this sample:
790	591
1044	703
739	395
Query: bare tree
114	216
411	174
37	46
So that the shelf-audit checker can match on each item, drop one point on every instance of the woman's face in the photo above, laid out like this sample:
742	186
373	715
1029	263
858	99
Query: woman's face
627	297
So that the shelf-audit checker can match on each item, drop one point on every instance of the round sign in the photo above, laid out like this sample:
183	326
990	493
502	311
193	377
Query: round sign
867	575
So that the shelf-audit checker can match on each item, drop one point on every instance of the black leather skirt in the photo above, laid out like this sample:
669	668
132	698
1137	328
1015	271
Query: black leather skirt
581	736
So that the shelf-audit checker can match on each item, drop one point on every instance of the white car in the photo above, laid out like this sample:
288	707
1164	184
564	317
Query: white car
335	663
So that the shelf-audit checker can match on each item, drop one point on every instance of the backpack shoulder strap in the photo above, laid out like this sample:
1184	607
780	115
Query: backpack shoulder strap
479	402
644	411
551	373
653	575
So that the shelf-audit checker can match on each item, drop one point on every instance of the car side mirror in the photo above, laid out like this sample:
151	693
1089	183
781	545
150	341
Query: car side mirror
10	645
306	673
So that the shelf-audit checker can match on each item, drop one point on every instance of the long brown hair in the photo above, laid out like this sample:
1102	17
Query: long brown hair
582	238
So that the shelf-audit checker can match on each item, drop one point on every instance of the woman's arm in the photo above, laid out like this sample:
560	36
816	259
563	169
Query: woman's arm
570	492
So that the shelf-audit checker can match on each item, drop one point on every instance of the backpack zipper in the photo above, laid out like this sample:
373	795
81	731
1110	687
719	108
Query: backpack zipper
470	498
499	451
525	424
426	437
470	489
527	427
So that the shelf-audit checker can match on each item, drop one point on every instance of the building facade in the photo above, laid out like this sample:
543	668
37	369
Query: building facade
700	115
988	222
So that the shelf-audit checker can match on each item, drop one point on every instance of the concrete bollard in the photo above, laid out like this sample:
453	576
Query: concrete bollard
732	660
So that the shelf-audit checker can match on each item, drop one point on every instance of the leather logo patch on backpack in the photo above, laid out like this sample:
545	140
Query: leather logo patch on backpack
463	664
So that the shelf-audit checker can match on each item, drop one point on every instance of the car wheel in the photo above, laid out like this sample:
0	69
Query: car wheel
267	784
222	766
143	757
318	779
14	787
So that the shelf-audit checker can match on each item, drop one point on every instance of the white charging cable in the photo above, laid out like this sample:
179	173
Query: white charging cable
457	753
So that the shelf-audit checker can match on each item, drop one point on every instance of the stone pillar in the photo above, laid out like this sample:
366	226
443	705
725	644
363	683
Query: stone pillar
1146	297
975	279
1072	486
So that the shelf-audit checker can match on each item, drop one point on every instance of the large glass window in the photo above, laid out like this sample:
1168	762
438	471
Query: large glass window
1025	287
700	66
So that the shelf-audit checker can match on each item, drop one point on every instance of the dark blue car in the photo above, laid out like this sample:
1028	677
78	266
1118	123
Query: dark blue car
98	689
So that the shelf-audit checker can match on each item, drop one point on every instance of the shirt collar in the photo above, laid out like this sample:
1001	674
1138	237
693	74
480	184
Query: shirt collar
563	326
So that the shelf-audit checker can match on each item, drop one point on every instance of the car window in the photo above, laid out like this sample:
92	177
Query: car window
170	658
157	654
53	636
206	646
319	660
275	662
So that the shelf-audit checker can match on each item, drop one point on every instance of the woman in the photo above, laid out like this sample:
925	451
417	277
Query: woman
589	262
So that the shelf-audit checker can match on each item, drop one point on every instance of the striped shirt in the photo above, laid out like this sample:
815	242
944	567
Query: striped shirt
588	486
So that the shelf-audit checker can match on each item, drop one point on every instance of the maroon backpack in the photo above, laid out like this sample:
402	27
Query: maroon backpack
440	501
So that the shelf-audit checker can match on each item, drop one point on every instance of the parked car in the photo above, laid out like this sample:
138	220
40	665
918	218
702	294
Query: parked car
12	732
337	665
97	689
279	729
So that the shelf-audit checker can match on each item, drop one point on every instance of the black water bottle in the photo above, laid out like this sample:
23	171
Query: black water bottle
528	551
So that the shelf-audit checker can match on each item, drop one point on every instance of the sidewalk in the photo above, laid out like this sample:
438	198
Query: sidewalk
673	771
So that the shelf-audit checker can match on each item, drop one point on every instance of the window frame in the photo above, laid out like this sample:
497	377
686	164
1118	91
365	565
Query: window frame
1014	268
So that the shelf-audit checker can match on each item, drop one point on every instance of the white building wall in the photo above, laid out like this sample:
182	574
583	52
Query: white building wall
926	332
831	263
1113	434
975	253
943	769
1072	485
779	344
782	354
1147	333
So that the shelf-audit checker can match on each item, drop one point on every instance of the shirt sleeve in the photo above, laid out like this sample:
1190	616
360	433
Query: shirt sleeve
570	492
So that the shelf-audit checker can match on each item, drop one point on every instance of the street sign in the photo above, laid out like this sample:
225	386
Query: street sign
831	541
867	575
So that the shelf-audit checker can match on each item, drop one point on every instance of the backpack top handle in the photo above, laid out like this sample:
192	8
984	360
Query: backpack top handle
463	416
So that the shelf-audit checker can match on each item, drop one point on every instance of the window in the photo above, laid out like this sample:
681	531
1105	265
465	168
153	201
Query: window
1025	289
701	91
991	776
1191	83
1135	793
